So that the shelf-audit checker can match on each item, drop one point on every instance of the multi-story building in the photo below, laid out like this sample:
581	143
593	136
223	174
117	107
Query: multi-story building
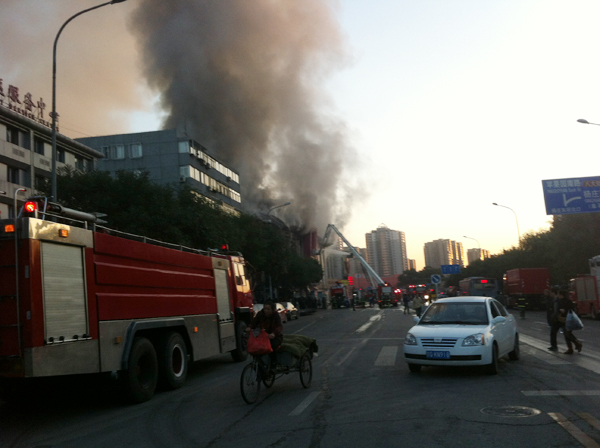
477	254
26	149
386	251
170	158
412	264
443	252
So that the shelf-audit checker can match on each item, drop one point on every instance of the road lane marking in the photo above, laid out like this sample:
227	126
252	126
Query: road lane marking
586	360
306	326
363	342
387	356
591	420
561	393
372	320
577	433
305	403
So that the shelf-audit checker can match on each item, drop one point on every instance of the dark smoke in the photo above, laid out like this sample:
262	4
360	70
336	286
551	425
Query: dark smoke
245	78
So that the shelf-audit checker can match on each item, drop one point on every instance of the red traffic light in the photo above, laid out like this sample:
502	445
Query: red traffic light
30	206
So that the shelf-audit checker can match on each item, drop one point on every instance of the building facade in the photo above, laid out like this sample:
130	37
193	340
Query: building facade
412	264
26	153
477	254
386	251
170	158
443	252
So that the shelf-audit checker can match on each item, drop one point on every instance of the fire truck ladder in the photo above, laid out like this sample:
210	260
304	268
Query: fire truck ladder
374	278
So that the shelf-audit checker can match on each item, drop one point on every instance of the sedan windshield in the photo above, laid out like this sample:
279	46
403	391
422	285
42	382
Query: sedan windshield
463	313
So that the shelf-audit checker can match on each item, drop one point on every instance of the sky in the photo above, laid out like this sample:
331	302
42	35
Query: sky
447	106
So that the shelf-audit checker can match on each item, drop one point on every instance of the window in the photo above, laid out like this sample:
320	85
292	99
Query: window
60	155
12	174
106	151
494	310
117	152
79	163
38	145
135	150
12	135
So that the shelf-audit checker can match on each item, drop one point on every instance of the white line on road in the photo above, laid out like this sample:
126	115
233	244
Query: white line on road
306	326
387	356
560	393
577	433
302	406
372	320
363	342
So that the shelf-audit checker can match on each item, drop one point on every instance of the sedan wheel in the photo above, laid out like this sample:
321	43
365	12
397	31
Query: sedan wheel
492	368
516	353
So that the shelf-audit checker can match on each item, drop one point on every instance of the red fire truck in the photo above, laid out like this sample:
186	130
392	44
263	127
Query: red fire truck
77	298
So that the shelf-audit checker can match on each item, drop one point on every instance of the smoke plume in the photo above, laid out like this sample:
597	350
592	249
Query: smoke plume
246	80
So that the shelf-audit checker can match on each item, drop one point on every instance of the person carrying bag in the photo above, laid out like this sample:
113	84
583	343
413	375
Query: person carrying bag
259	343
573	322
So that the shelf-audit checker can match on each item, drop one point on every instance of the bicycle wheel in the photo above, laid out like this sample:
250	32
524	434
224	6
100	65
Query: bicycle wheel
305	369
250	383
269	378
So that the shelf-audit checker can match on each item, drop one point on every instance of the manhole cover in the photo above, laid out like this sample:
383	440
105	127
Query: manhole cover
510	411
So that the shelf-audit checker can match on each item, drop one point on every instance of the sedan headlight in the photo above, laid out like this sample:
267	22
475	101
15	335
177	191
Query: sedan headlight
473	340
410	339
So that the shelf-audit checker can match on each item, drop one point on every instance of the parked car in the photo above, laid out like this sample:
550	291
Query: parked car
462	331
291	310
282	312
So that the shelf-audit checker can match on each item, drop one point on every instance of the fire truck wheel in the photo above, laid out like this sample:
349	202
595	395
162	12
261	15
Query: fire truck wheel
142	373
172	361
241	352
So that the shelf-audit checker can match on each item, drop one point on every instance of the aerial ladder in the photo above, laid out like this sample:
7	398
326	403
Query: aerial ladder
379	285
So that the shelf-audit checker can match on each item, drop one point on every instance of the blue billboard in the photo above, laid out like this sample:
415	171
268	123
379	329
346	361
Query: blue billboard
570	196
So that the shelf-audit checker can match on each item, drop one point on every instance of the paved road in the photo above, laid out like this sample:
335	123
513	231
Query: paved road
362	395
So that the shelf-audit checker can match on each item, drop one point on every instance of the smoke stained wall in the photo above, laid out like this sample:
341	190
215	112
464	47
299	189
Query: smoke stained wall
245	79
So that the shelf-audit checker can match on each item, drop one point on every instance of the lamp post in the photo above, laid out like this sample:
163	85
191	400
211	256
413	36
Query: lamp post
584	121
516	219
477	244
54	192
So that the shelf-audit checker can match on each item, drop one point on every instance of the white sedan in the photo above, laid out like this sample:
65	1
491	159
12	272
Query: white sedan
462	331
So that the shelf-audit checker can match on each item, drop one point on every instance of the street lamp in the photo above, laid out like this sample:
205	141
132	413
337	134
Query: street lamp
54	192
584	121
477	244
517	219
277	206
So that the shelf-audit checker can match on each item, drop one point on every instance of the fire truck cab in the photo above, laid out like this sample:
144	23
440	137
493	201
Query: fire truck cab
78	298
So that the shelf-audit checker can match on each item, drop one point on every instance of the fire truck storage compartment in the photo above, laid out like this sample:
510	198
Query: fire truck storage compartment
226	324
63	281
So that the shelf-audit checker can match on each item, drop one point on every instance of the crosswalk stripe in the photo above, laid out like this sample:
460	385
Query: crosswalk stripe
577	433
561	393
387	356
591	420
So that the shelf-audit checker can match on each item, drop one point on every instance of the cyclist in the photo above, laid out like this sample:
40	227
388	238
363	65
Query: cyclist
269	320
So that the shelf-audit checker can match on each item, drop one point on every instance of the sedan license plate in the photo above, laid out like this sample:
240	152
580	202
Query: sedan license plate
437	355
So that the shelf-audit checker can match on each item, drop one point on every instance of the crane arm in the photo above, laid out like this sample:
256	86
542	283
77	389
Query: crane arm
370	271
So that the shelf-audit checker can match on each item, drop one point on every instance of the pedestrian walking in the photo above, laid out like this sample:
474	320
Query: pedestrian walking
406	301
418	304
561	306
522	305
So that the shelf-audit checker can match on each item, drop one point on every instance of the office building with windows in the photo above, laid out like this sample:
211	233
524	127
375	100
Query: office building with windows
386	251
26	150
477	254
444	252
170	158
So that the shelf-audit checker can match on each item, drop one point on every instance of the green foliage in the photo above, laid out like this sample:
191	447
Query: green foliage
134	204
564	249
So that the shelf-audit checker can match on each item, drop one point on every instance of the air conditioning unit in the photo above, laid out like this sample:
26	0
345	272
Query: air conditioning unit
228	179
182	178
